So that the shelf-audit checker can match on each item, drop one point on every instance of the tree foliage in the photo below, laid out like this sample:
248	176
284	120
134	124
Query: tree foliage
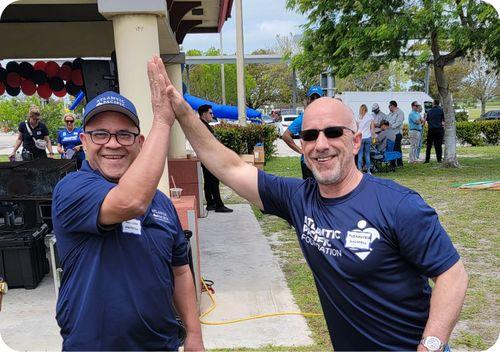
481	83
357	36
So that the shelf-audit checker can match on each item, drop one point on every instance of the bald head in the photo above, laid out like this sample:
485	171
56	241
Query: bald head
330	111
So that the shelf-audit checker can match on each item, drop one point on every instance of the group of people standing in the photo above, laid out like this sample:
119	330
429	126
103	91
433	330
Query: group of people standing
33	135
377	127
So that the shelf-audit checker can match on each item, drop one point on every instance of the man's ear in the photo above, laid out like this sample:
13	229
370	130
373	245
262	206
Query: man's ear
141	139
356	142
83	138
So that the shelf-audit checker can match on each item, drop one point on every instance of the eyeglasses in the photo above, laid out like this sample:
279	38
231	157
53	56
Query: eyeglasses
101	137
69	121
330	132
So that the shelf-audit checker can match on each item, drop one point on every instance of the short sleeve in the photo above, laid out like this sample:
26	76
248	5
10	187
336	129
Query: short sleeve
59	137
77	202
296	125
422	239
276	194
180	248
45	130
22	127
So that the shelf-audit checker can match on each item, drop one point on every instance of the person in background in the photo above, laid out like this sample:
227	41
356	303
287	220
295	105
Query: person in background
366	128
69	144
378	115
34	136
211	184
415	122
396	119
423	115
295	128
386	133
435	132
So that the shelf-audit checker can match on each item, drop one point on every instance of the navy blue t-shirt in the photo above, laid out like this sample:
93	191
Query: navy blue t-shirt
117	285
435	117
371	253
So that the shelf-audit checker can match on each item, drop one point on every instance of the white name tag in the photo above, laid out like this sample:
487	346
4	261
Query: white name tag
132	226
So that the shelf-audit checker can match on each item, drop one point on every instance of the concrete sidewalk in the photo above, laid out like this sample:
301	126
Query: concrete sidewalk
248	281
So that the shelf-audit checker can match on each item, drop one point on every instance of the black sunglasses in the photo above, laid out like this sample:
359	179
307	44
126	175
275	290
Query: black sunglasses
69	121
330	132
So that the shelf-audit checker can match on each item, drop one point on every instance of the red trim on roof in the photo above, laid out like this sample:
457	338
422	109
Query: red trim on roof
224	12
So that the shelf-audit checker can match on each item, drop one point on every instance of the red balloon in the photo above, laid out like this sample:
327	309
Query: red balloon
39	65
2	88
60	93
64	73
51	69
13	79
76	77
44	91
28	87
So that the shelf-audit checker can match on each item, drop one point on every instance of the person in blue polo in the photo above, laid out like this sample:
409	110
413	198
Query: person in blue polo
69	144
295	128
122	249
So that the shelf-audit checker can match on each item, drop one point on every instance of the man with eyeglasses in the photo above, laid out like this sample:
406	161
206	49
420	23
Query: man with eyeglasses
211	183
123	252
313	93
34	136
371	244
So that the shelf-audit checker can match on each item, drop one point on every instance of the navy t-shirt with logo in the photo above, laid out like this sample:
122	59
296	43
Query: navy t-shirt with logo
39	132
371	253
117	285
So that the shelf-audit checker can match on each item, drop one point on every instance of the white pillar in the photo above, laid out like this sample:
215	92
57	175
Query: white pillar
136	41
222	77
177	148
240	65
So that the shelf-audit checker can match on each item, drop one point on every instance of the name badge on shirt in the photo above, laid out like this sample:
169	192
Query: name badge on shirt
132	226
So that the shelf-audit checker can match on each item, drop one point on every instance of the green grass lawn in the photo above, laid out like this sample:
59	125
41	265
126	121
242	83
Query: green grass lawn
474	113
470	218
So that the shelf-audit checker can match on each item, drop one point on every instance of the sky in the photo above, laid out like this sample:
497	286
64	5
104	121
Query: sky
262	21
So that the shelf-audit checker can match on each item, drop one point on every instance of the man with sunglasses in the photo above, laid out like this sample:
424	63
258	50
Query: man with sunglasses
371	244
295	127
122	248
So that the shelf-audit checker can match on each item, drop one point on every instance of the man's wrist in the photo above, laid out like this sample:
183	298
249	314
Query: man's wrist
432	343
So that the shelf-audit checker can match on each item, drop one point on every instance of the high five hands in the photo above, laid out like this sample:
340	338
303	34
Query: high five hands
167	102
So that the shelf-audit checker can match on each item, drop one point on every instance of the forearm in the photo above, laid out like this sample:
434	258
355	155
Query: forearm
49	144
446	302
60	148
152	158
185	300
17	145
287	138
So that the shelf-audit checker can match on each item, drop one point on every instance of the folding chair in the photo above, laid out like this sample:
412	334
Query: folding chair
389	155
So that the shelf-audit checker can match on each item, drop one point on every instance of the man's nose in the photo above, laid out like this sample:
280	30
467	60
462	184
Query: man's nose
322	143
113	142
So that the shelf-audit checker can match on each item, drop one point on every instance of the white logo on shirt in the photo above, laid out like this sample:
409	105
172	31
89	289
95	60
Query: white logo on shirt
160	215
132	226
359	240
320	238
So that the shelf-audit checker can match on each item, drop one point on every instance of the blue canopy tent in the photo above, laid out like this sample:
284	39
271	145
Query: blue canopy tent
227	112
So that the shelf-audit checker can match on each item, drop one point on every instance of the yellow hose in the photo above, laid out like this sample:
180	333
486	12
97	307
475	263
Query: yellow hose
260	316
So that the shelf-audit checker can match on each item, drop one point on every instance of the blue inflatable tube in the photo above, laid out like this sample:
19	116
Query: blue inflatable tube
77	101
228	112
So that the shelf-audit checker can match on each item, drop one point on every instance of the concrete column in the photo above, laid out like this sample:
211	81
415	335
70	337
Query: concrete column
240	65
177	148
222	78
136	41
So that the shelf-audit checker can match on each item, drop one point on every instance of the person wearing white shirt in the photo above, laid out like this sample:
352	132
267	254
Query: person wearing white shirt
366	128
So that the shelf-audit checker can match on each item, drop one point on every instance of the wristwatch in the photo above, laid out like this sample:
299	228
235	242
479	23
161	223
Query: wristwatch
432	343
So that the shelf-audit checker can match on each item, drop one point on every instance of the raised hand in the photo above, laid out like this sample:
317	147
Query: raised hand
158	82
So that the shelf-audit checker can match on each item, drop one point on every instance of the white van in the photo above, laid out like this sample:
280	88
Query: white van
404	100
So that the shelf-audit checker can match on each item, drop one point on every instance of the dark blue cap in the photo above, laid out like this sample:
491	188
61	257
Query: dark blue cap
315	90
110	101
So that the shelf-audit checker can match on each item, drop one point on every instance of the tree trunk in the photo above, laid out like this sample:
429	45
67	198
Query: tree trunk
483	106
450	131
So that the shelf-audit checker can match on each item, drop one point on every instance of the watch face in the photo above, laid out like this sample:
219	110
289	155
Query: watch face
432	343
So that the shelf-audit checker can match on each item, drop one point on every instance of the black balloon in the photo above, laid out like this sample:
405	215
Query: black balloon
26	69
72	89
77	63
14	92
67	63
3	74
39	77
56	84
12	66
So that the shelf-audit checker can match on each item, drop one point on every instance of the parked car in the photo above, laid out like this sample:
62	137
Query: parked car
268	120
285	122
490	115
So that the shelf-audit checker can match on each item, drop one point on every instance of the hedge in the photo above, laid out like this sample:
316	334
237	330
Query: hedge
243	139
475	133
